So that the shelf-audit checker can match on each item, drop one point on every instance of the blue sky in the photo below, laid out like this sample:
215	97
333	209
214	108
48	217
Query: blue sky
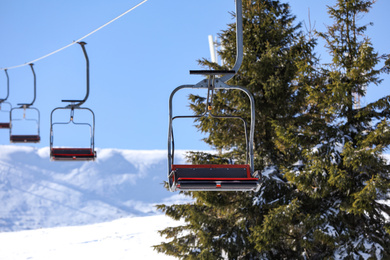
135	62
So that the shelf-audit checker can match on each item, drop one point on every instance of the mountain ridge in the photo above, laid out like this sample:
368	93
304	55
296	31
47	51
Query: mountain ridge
38	193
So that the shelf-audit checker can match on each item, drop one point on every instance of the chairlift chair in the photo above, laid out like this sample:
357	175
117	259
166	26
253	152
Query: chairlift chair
27	109
212	177
5	107
74	154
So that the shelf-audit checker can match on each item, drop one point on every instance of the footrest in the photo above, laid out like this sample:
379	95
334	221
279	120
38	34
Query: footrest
212	72
72	154
25	138
213	171
213	177
247	185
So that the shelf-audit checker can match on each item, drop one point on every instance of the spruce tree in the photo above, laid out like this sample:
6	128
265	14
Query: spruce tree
220	224
324	176
341	177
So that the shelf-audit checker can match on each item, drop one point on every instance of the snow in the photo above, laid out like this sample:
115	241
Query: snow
270	172
126	238
386	157
330	231
90	210
385	202
83	210
37	193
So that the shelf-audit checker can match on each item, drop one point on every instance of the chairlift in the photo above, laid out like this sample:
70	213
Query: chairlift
74	154
213	177
5	108
30	114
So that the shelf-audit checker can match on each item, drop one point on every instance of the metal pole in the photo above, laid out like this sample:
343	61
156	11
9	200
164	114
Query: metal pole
212	49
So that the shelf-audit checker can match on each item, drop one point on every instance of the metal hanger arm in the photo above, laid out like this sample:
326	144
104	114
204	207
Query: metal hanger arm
239	41
80	102
6	97
25	105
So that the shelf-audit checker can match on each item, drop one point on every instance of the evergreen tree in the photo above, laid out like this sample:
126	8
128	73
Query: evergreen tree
341	177
219	224
324	176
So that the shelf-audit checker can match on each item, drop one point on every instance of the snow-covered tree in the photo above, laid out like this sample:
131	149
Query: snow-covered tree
325	180
341	178
220	223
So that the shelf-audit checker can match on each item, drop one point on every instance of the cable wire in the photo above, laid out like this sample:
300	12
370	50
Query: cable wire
76	41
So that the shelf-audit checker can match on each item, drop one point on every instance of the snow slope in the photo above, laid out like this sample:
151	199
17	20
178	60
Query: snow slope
126	238
37	193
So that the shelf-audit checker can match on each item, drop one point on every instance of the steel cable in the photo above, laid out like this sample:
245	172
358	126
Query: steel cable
76	41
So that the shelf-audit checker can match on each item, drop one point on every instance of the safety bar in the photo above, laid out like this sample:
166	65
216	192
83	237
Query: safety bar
204	85
37	120
92	128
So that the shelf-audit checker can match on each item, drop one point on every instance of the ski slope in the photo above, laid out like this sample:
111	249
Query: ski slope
84	210
37	193
126	238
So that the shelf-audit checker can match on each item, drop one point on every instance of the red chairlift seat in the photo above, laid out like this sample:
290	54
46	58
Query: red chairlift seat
213	177
5	125
25	138
72	154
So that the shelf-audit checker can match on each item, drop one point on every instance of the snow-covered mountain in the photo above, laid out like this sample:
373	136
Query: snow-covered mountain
37	193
